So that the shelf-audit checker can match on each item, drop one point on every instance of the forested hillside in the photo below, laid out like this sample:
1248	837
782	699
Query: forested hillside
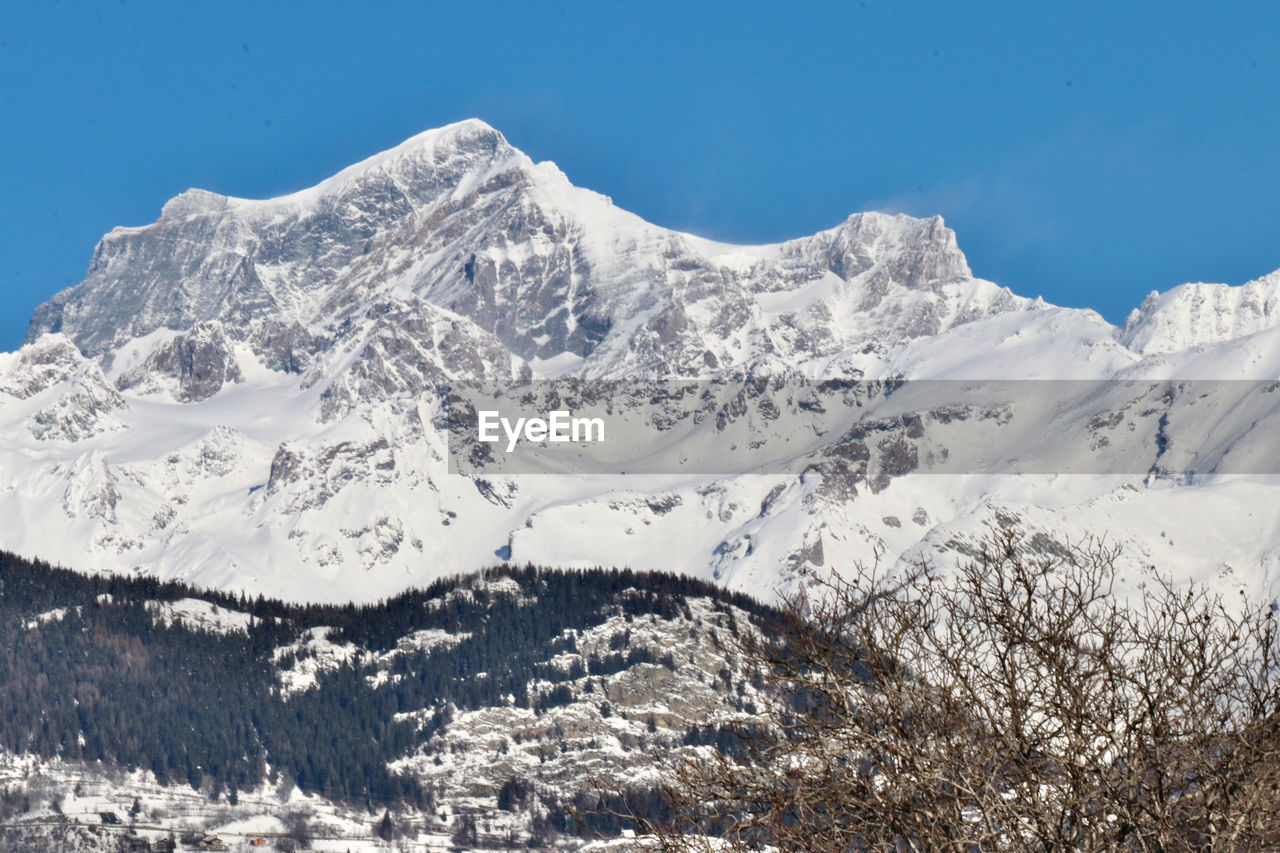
218	692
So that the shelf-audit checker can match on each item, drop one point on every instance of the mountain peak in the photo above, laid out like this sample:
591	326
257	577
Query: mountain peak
456	149
458	132
462	220
1197	314
470	136
192	202
469	139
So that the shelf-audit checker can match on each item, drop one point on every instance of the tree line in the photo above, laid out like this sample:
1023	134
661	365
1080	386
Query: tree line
87	671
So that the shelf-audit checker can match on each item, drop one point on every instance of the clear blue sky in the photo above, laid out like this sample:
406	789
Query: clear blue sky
1089	152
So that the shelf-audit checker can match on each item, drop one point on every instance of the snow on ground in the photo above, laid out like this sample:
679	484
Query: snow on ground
199	615
313	654
91	808
55	615
81	795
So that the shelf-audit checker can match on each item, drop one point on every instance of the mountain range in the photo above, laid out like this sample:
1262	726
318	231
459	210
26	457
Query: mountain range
248	394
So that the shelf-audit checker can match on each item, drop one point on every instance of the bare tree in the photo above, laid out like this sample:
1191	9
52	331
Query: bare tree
298	830
1016	703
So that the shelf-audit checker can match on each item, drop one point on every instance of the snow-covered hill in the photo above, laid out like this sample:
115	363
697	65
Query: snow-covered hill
247	394
507	701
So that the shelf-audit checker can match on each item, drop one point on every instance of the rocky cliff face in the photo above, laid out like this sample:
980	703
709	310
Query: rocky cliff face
249	393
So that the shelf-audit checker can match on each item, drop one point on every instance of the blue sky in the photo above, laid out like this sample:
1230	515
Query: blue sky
1086	152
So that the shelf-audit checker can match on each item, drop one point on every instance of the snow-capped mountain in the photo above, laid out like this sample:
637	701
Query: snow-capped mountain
1203	315
248	394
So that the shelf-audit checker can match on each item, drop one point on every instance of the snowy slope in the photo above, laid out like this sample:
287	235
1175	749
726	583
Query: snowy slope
247	394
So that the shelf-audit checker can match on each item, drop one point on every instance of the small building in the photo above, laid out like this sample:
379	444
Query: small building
257	842
211	842
110	819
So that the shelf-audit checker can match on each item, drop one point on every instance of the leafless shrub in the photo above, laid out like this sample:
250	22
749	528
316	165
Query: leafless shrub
298	829
1017	703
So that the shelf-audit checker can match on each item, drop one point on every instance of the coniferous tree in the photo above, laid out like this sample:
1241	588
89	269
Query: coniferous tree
386	828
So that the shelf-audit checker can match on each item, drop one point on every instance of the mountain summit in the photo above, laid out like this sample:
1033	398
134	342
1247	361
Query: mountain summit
458	219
